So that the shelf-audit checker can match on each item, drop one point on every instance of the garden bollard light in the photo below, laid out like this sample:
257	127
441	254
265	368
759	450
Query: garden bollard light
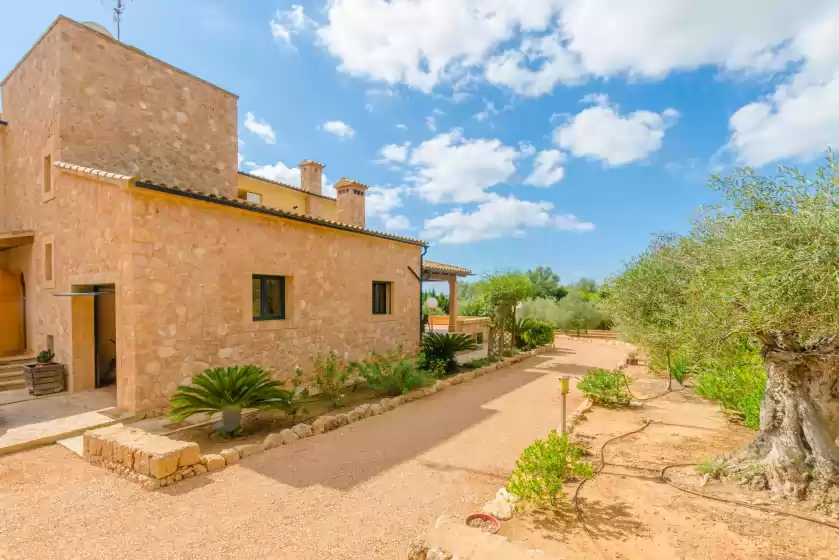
563	390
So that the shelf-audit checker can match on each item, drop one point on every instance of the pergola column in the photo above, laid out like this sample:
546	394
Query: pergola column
452	303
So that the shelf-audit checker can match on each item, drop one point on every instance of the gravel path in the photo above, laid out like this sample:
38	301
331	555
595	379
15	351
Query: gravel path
360	492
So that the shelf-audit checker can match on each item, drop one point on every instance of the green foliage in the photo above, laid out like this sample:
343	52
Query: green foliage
606	388
233	388
392	373
584	285
545	466
442	303
331	380
507	289
45	357
541	309
575	313
478	363
531	333
471	297
435	367
711	468
444	346
546	283
736	379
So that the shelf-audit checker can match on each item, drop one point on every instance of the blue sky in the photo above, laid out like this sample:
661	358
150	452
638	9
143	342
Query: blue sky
510	134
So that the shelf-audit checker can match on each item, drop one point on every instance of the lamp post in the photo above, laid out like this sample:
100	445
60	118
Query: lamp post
563	390
431	304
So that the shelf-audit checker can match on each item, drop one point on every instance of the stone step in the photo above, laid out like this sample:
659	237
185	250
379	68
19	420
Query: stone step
10	374
9	384
16	361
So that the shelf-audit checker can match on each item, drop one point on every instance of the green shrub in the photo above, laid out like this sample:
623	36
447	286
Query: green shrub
435	367
444	346
534	334
542	309
391	373
331	381
479	363
606	388
711	468
545	466
576	313
230	390
737	381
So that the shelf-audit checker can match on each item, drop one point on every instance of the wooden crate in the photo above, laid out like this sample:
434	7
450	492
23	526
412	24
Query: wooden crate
43	379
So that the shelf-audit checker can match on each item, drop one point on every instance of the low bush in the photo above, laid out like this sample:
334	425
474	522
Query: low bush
541	309
534	334
712	468
331	380
737	381
544	468
605	388
391	374
434	367
444	346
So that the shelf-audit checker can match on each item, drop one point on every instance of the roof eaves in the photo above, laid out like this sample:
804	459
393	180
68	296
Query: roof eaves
267	210
107	176
286	185
434	266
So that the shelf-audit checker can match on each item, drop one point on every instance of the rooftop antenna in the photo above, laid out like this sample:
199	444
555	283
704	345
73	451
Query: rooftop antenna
119	9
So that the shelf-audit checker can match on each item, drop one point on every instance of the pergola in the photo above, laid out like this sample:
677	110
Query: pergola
439	272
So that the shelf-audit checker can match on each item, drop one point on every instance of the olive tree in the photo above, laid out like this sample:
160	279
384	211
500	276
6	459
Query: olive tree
647	300
576	313
764	265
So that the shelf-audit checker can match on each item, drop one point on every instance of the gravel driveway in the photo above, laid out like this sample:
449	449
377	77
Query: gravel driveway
359	492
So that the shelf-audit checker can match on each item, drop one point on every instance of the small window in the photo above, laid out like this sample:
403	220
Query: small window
47	174
48	262
256	198
268	297
381	298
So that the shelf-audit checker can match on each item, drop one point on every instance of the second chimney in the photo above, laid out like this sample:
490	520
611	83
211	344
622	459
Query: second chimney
311	176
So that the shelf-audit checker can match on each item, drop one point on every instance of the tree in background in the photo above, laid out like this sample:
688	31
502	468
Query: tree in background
585	285
546	283
575	313
442	303
764	266
471	300
648	299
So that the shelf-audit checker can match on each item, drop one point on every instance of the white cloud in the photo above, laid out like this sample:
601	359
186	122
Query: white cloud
431	123
547	169
514	68
287	24
451	168
260	128
339	128
498	217
394	153
289	175
600	132
401	126
381	202
241	158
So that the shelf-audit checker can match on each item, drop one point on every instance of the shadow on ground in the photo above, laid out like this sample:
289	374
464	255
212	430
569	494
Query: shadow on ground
349	456
615	520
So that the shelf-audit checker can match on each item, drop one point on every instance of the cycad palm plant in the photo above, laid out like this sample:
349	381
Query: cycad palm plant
444	346
229	391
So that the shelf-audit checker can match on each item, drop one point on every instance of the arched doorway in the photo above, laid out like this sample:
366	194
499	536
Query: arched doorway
11	314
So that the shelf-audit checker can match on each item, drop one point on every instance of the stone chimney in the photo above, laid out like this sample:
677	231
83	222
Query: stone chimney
351	204
311	176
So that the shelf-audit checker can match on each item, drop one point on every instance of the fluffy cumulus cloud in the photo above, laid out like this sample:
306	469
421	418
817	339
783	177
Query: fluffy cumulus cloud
339	128
260	128
286	24
394	153
602	133
451	168
382	202
547	169
498	217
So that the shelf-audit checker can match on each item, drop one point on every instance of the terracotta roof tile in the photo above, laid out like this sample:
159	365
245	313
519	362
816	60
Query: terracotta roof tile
445	268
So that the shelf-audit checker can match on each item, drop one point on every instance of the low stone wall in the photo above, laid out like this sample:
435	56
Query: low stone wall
155	461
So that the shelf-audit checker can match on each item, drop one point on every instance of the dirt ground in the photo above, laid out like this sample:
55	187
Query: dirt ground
363	491
633	515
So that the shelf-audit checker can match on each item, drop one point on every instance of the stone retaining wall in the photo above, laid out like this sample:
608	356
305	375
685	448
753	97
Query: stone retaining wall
155	461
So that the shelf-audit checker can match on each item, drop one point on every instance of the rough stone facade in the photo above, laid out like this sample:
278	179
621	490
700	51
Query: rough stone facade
181	268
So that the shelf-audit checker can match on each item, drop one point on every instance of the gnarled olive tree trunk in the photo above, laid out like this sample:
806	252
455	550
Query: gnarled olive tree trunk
799	418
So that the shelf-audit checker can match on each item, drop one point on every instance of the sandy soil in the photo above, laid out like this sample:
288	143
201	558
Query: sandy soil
632	515
360	492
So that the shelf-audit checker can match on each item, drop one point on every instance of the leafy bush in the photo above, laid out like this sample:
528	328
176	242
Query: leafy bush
606	388
444	346
545	466
435	367
737	381
391	373
535	334
331	381
230	390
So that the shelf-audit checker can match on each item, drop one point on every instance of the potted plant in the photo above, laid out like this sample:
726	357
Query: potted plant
45	376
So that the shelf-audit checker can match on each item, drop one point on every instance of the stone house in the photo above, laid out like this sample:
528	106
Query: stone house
132	246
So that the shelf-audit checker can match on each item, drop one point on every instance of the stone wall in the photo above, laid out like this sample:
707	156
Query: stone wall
127	112
193	296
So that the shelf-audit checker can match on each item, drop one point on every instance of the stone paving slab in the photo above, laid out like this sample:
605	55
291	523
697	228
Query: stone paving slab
50	431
